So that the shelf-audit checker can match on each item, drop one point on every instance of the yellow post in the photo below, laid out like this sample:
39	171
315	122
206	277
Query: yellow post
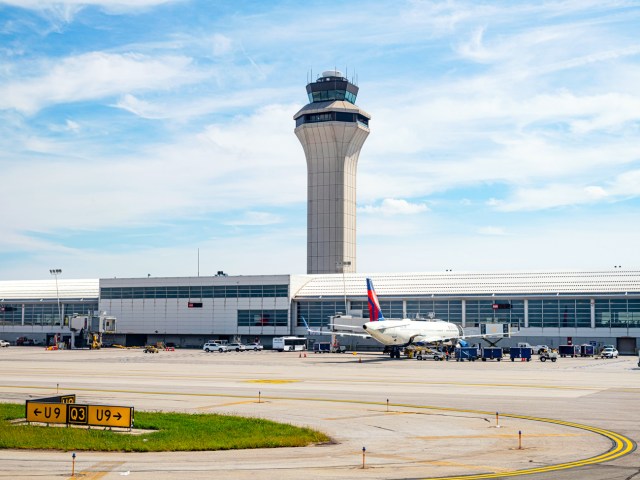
519	439
363	455
73	464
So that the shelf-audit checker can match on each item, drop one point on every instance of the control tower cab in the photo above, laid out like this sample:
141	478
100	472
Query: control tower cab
332	130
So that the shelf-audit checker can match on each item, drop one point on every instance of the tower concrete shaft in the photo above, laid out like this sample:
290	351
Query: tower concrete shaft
332	130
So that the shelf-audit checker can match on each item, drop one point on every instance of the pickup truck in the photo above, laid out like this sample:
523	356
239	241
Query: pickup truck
535	348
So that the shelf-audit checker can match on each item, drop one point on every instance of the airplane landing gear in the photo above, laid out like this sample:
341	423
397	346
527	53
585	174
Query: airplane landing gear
395	352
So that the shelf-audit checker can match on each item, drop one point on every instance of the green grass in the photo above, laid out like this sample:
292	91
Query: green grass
172	432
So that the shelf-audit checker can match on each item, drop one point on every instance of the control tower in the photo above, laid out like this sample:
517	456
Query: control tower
332	130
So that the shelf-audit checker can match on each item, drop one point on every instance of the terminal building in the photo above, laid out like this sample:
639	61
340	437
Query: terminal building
551	308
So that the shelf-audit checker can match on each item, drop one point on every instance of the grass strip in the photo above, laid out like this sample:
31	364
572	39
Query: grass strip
171	432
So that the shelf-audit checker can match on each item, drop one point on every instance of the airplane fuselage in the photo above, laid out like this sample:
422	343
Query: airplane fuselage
404	332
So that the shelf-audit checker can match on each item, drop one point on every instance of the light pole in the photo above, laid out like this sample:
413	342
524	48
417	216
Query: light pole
342	264
55	272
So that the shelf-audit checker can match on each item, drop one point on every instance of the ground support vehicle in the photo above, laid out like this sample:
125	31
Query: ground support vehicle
214	347
150	349
431	354
549	355
237	347
4	343
535	348
492	353
587	350
290	344
523	353
466	353
569	350
25	341
322	347
255	346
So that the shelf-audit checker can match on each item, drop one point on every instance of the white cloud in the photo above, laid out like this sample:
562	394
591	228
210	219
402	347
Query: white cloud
221	44
255	218
72	126
491	231
115	5
394	206
93	76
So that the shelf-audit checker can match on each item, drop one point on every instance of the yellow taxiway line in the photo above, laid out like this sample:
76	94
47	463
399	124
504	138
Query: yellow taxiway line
621	445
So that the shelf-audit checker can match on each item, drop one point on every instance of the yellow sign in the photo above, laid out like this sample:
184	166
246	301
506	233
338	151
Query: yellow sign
46	412
77	414
110	416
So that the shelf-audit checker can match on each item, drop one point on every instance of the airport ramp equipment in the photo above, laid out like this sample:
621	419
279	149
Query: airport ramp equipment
523	353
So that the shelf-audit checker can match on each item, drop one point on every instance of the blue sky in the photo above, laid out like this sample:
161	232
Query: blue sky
504	135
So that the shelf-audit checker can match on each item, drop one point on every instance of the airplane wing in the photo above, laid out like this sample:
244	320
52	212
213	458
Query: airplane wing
339	333
350	333
312	331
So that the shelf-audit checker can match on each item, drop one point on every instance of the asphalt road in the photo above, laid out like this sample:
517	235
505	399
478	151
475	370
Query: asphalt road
578	417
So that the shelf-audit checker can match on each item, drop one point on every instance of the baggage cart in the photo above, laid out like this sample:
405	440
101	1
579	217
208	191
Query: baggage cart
569	350
587	350
466	353
523	353
491	353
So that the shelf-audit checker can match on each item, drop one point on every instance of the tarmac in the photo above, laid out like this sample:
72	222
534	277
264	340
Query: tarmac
575	418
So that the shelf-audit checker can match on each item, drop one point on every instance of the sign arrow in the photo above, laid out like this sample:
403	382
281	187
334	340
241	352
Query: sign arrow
118	416
37	411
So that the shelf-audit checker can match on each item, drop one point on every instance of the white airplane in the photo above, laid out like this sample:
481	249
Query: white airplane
405	332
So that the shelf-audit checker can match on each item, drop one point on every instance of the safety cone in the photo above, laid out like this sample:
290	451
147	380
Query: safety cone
299	355
305	355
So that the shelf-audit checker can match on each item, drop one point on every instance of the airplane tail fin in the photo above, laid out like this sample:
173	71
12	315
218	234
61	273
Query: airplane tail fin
305	324
375	314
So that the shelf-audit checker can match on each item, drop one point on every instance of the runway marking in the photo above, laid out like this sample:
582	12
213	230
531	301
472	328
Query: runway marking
621	445
499	435
272	381
364	381
217	405
97	471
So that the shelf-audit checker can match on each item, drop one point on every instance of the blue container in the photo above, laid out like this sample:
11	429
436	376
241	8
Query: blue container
587	350
569	350
520	352
466	353
491	353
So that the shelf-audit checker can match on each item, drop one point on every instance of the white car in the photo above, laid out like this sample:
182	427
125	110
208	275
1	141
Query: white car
214	347
238	347
255	347
609	352
4	343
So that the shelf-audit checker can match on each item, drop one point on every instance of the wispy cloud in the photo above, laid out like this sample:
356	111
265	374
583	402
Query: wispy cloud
93	76
255	218
394	206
